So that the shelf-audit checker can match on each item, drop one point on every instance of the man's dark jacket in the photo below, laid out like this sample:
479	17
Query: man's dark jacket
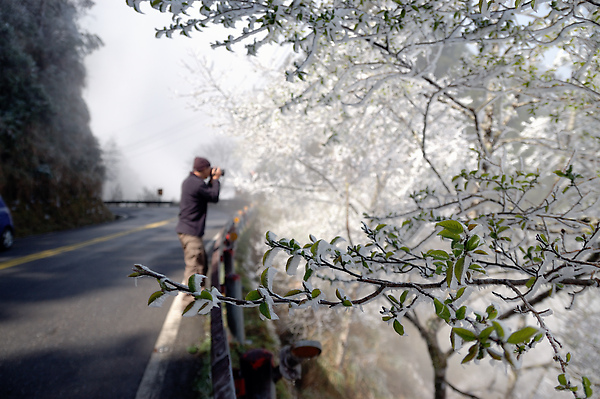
195	196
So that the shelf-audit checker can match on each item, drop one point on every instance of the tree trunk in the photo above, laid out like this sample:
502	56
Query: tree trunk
439	358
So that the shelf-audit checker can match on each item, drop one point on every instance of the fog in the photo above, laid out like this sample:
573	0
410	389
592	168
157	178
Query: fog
135	84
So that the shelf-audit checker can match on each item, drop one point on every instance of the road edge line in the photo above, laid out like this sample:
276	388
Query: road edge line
152	381
72	247
154	375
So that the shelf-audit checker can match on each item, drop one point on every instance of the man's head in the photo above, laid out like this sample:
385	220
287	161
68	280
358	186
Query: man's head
202	166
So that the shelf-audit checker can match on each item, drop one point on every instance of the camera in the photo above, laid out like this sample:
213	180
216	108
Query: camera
212	172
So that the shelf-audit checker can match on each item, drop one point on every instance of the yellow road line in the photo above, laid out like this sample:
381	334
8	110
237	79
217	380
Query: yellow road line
52	252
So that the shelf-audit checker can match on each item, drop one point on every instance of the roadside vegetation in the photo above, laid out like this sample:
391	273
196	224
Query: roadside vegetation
51	168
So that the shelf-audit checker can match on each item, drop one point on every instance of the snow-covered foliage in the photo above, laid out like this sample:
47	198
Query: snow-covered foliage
465	131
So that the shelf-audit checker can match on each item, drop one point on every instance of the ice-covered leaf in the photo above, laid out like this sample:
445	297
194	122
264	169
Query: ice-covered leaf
195	282
156	299
452	225
466	335
450	235
587	387
398	327
523	335
206	295
459	268
472	243
438	254
292	264
293	292
253	295
473	350
264	310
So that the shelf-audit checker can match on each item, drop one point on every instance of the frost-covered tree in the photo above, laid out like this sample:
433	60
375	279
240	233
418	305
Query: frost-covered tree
509	47
485	236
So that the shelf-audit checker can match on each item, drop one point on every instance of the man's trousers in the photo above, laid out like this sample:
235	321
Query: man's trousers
194	256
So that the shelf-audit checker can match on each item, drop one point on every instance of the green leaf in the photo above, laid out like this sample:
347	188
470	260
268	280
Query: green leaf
485	334
461	313
266	255
466	335
403	296
192	283
502	228
264	277
449	235
522	336
347	303
293	292
587	387
452	226
494	354
449	275
472	243
206	295
458	269
477	268
530	282
292	264
499	329
307	273
188	307
492	312
134	274
441	310
335	240
438	305
315	293
315	247
155	296
472	353
562	379
399	328
438	254
253	295
264	309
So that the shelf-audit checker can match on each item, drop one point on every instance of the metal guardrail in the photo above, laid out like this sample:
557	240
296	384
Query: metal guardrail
222	254
139	203
257	369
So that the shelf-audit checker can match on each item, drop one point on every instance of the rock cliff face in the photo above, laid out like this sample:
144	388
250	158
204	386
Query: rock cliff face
51	168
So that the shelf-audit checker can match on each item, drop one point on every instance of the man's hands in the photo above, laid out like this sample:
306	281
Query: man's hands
216	173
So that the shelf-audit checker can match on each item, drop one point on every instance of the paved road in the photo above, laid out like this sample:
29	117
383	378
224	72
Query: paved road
72	325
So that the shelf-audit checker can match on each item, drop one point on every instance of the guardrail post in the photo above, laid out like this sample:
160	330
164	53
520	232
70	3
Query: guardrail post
235	314
222	373
228	258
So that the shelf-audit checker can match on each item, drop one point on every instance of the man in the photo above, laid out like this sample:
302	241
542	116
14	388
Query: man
195	196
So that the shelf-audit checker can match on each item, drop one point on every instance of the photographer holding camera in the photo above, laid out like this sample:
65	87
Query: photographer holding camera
196	193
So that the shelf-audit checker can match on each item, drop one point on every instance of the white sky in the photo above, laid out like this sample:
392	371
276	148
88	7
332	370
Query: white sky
131	94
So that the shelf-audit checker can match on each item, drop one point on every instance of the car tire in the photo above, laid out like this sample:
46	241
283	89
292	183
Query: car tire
6	239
